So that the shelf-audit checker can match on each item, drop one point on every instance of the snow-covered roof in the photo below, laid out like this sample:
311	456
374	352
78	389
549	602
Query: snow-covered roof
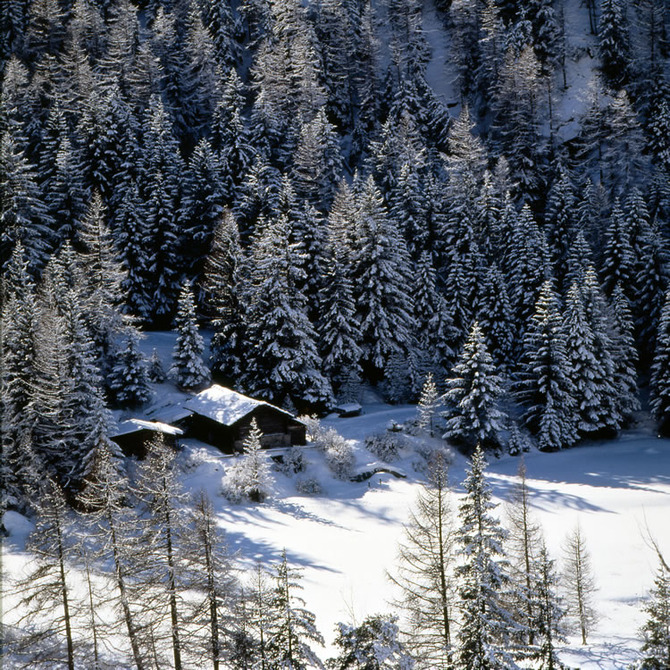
225	406
135	425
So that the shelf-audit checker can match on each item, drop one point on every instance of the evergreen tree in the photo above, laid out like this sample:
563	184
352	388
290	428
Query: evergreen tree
545	385
656	630
284	362
591	377
188	368
222	285
23	213
249	478
494	315
381	267
614	42
659	383
374	644
202	206
293	626
338	322
475	388
429	402
624	356
129	378
486	627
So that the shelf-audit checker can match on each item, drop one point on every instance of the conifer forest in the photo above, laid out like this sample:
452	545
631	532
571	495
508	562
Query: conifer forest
456	210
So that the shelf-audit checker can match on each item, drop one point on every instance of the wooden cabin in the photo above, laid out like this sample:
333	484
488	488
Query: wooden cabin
222	417
134	435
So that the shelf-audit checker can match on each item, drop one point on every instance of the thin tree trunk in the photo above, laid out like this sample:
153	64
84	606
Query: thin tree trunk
123	594
64	595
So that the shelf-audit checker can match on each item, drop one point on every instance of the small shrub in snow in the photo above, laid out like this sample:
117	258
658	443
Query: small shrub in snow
386	445
375	643
339	456
313	426
249	478
293	461
518	442
309	486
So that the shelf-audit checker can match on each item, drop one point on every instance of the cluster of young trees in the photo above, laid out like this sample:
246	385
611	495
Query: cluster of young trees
160	587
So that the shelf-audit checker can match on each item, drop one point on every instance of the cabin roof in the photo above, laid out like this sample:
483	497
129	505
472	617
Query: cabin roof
226	406
136	425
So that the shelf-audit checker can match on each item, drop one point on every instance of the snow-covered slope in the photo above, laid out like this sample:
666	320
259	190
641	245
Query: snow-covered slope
345	539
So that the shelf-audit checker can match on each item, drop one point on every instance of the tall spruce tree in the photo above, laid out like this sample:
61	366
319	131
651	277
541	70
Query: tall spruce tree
188	368
545	386
486	624
473	415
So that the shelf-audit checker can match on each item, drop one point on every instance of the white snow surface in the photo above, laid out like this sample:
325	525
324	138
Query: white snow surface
345	539
224	405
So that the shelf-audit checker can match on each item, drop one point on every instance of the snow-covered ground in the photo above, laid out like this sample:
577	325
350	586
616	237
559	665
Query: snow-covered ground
345	539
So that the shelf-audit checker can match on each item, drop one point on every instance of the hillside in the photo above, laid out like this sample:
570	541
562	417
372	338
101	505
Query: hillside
457	205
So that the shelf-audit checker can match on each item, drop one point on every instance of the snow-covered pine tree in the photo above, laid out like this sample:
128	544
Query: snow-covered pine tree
591	381
293	627
18	329
374	644
482	579
283	362
222	285
545	386
579	584
188	368
614	42
560	221
381	282
249	478
474	390
23	213
660	379
338	323
425	573
429	403
202	207
433	326
129	377
317	162
494	315
656	629
624	356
